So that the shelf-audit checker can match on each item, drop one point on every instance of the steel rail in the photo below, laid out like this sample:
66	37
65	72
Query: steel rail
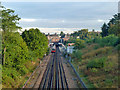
51	75
40	73
64	76
46	75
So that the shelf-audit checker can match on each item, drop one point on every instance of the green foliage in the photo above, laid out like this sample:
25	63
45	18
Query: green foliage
22	69
48	50
0	43
9	20
96	63
94	70
118	47
108	82
104	30
71	40
16	53
89	41
36	41
79	44
16	50
114	29
62	34
77	54
110	40
96	46
9	76
113	26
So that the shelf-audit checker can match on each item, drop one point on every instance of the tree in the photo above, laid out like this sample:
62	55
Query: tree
36	42
9	24
114	29
62	34
16	50
9	20
79	44
114	25
104	30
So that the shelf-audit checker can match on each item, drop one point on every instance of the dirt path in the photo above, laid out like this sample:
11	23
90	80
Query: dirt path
70	76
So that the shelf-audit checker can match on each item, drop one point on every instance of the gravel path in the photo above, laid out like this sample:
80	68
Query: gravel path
70	76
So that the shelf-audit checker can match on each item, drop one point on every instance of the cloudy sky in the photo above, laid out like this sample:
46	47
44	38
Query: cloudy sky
53	17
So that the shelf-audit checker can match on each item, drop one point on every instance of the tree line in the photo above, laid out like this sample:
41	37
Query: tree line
109	36
18	50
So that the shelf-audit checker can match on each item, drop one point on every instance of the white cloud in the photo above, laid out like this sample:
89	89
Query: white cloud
63	21
55	30
28	20
100	20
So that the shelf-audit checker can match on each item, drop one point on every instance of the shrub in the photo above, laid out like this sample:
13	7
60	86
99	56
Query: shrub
10	77
97	52
118	47
77	54
89	41
94	70
22	69
96	46
96	63
79	44
110	40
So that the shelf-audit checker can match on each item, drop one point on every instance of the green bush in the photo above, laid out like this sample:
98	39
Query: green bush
10	77
96	46
77	54
110	40
118	47
22	69
96	63
89	41
79	44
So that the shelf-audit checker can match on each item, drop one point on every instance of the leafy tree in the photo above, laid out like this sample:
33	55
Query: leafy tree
9	20
79	44
110	40
114	29
62	34
9	24
104	30
113	21
16	50
36	41
114	25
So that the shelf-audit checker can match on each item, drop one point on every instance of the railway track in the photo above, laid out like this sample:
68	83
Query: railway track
54	75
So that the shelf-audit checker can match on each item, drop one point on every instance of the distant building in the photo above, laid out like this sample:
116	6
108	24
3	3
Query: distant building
53	38
71	44
70	49
66	38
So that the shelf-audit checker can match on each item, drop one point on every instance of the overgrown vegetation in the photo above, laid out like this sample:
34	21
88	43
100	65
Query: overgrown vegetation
20	54
96	59
36	42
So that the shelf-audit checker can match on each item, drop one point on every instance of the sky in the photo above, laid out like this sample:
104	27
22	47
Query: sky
53	17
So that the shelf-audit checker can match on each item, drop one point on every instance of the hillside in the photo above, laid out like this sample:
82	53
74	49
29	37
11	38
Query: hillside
99	66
